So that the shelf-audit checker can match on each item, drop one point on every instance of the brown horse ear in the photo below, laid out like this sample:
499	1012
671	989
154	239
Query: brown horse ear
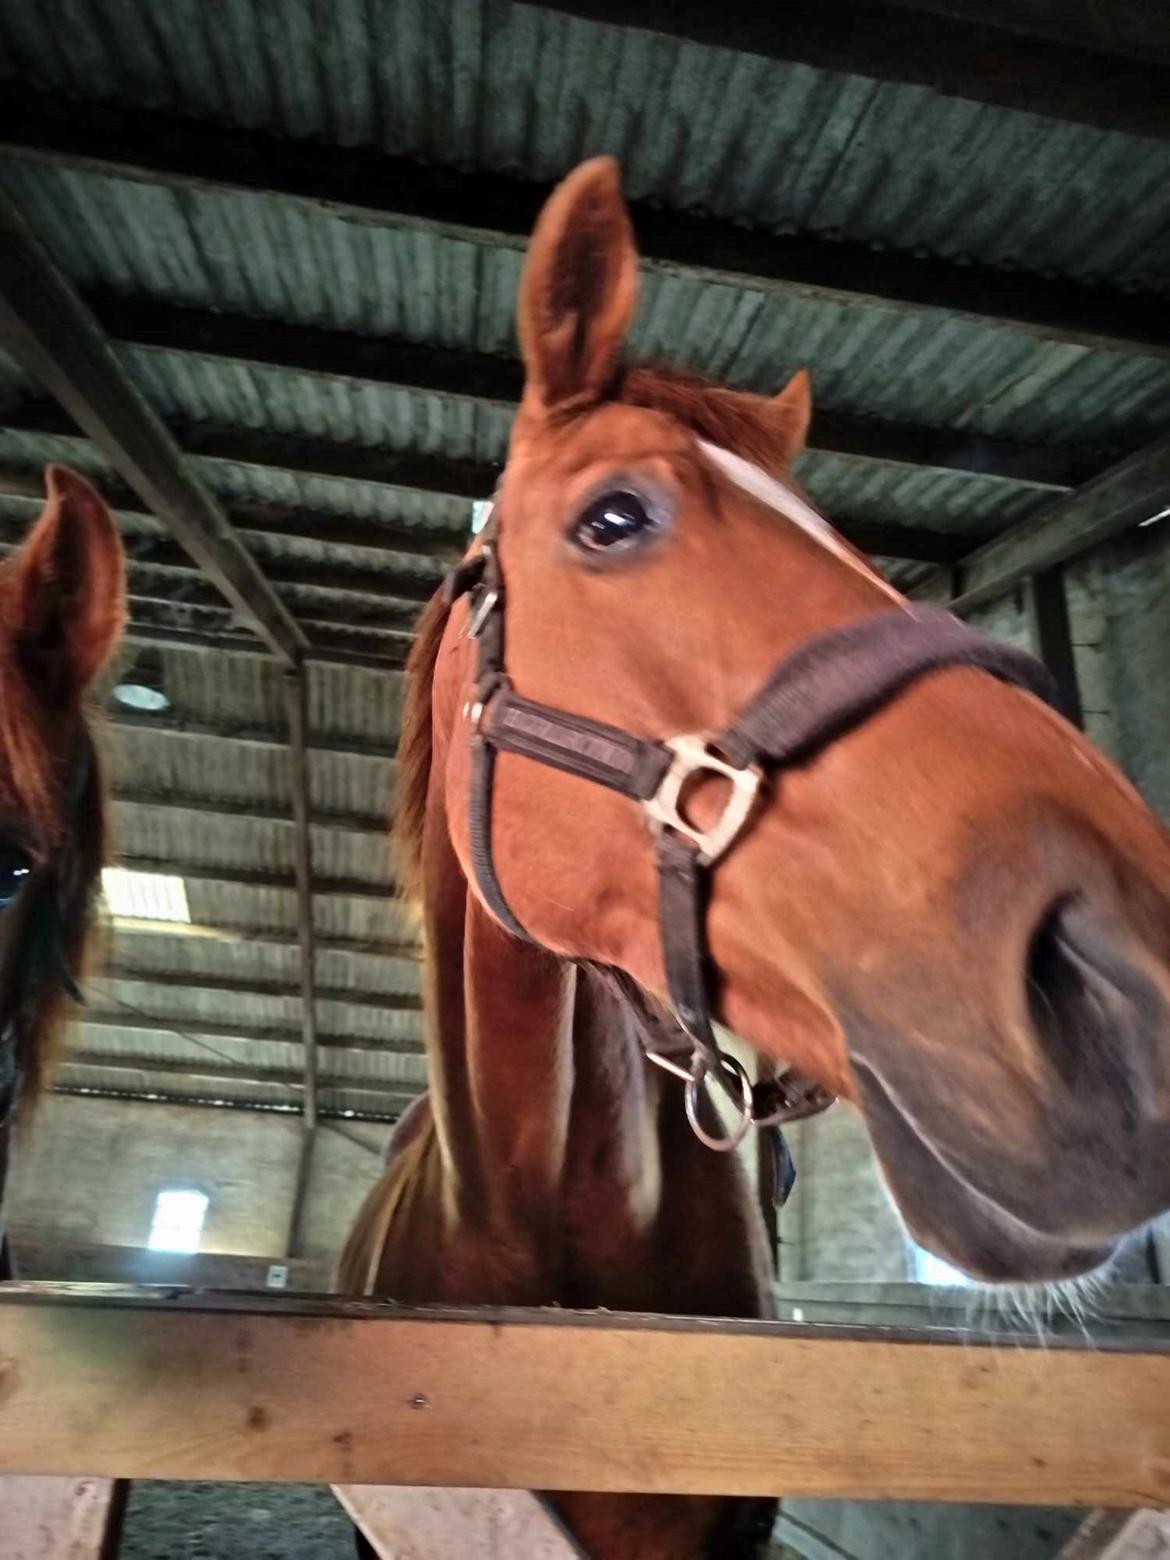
791	412
67	589
579	288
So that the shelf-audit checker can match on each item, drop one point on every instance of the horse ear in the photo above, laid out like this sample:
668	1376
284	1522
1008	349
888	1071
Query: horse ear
67	588
791	413
579	288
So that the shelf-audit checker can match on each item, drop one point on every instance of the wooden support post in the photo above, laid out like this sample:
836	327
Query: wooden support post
55	339
355	1392
296	705
61	1519
1048	605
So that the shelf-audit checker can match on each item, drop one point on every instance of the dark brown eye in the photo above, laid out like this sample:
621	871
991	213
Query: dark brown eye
615	522
15	868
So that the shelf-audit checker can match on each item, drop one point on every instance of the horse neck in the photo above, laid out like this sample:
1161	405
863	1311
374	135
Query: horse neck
533	1066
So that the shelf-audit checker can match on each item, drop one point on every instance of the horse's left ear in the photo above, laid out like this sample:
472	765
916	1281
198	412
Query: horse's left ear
66	604
791	412
579	289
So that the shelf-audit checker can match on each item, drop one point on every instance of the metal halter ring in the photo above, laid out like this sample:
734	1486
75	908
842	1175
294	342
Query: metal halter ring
697	1079
691	755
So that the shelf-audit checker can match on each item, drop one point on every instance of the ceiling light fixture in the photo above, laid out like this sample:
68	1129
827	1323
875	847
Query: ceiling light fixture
141	686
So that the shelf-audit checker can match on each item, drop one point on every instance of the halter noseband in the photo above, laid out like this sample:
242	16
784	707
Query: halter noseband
815	695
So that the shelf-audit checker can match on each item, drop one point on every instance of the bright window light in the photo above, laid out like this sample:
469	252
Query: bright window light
929	1269
145	896
481	512
178	1220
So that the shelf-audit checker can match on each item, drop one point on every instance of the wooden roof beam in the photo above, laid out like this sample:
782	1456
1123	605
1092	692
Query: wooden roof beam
400	1094
266	518
370	464
243	1033
1132	492
258	986
55	339
365	825
310	349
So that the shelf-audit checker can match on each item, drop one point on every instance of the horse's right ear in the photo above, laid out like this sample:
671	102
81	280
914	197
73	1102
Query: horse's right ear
579	289
65	604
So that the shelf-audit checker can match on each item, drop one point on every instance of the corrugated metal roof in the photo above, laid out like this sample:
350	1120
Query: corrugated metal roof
146	954
520	89
221	249
240	394
847	486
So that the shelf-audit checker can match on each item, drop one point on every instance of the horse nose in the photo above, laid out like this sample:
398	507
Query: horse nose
1099	1011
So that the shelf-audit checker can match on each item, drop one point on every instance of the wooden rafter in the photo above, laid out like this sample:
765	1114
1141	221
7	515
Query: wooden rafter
1132	492
54	337
373	465
483	377
243	1032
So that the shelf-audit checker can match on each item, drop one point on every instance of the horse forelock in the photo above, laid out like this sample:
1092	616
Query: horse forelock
730	418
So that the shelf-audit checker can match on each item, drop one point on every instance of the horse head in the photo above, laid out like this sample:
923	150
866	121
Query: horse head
949	910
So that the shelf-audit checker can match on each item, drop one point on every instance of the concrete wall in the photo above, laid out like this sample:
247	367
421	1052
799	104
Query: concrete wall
1120	602
839	1222
90	1170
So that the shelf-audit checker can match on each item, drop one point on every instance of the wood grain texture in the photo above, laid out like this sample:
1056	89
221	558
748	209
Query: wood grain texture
239	1387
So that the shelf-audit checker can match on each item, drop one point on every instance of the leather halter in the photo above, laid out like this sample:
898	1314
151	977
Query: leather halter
816	694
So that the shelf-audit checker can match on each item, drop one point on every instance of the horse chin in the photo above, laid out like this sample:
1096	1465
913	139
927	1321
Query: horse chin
960	1222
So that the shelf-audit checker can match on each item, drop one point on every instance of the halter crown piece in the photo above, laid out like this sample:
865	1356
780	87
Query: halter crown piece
818	692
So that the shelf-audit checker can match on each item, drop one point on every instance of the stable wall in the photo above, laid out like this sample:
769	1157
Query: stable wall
89	1171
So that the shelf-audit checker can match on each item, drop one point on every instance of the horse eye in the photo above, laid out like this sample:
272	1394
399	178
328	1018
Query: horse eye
614	522
15	868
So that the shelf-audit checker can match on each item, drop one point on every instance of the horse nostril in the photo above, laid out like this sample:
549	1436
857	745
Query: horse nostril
1095	1012
1056	994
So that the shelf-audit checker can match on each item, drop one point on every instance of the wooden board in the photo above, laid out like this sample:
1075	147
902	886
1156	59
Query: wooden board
433	1524
1119	1535
60	1519
246	1387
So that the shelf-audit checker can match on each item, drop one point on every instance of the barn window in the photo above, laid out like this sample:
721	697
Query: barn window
145	896
178	1220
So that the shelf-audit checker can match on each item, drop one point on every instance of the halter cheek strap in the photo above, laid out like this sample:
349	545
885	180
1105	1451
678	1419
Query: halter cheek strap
816	694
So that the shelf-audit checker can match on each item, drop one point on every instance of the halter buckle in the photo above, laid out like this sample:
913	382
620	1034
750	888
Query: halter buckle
692	755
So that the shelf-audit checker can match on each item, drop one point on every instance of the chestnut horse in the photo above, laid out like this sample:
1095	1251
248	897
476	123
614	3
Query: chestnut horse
943	904
62	609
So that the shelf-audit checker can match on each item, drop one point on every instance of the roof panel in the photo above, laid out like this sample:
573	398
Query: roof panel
755	140
915	365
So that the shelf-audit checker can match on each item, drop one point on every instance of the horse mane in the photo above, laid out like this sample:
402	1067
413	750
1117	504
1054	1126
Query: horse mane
413	765
66	817
725	417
